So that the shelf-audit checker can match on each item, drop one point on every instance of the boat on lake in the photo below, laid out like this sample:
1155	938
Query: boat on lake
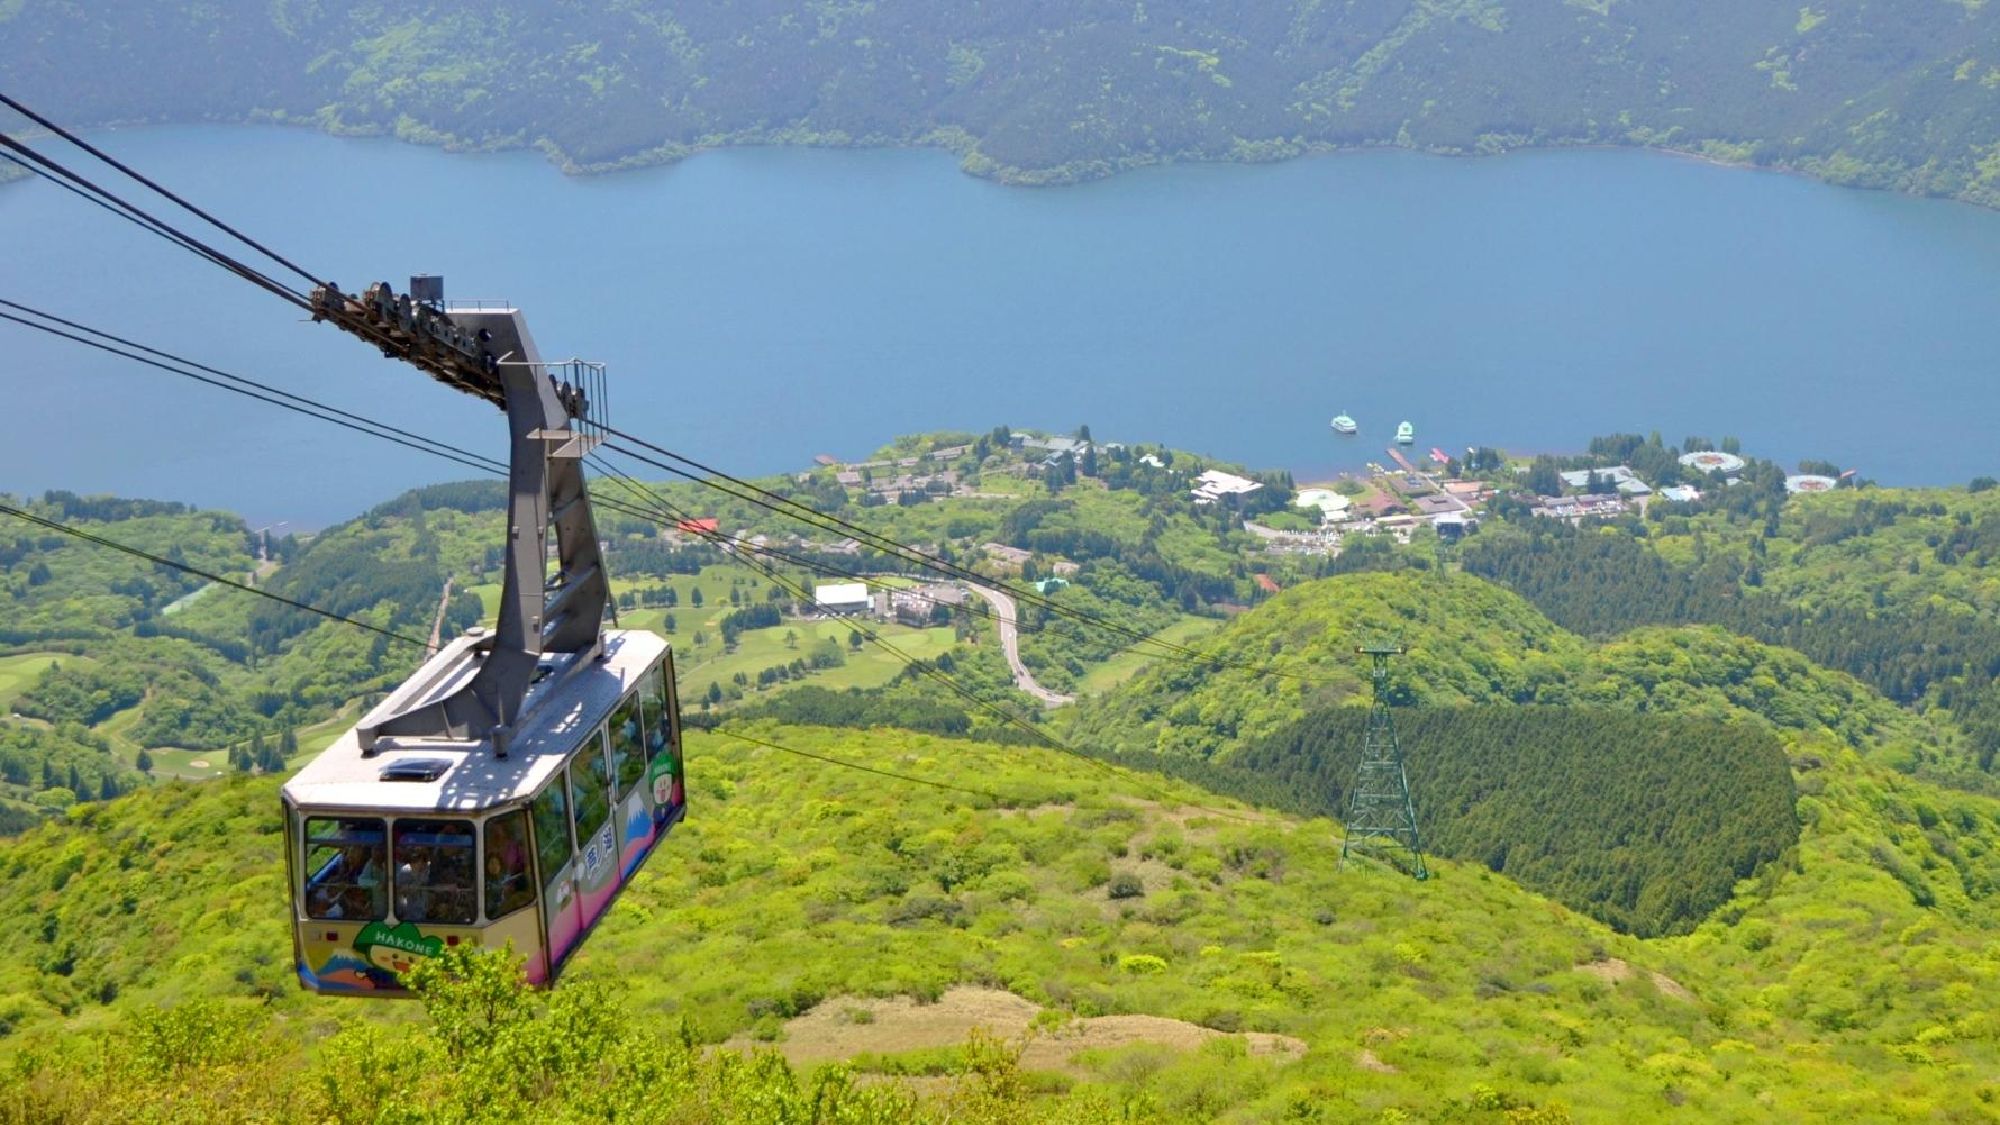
1406	434
1342	424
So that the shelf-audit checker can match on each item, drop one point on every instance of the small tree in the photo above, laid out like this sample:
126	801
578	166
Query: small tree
474	997
144	762
854	641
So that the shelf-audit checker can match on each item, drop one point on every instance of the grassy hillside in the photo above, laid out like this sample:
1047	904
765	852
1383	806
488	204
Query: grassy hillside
1854	980
1471	641
1895	587
1899	95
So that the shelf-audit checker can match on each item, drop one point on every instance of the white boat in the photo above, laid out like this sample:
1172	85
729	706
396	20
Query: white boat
1342	424
1406	434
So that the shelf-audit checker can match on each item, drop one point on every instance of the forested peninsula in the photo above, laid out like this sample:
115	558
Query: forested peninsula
1902	96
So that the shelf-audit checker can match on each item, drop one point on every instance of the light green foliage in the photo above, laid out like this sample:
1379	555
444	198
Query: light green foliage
1895	588
1127	662
18	673
491	1052
1060	649
1853	976
1469	642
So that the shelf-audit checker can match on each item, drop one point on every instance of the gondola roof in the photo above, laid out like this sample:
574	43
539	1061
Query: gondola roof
407	775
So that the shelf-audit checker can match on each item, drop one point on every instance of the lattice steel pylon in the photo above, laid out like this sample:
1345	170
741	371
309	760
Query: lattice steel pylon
1380	812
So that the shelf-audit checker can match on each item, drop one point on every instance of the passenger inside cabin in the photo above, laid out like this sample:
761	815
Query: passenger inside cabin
413	892
434	872
508	885
345	859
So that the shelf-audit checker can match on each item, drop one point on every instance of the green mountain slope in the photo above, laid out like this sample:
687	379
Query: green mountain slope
1854	980
1643	821
1651	779
1898	588
1471	641
1899	95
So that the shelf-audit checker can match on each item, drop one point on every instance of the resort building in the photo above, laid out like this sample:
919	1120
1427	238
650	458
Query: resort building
1713	461
842	598
1332	505
1215	484
1580	479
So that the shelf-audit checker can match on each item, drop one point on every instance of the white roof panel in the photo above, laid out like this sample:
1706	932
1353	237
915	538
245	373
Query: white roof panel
561	710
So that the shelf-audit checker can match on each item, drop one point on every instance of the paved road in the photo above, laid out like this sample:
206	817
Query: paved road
1010	643
437	623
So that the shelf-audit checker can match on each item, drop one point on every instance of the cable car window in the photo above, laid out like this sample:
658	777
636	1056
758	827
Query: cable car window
508	886
590	789
346	868
660	706
628	745
551	812
434	872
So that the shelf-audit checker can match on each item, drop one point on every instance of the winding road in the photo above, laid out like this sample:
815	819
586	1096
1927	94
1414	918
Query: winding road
1010	643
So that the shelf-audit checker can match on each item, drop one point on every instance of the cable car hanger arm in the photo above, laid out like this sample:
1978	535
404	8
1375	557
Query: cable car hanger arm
489	354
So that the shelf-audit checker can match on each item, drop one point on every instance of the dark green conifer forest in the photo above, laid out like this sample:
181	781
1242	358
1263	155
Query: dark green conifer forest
1644	821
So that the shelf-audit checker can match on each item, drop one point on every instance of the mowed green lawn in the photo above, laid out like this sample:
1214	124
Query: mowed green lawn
1125	665
870	666
714	582
706	662
19	673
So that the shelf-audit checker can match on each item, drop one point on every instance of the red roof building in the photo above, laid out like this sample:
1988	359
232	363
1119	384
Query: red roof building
699	527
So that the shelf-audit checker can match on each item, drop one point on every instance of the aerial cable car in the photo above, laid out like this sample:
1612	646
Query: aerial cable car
508	790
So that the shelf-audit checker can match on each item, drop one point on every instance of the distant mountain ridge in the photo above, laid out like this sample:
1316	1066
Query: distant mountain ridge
1902	95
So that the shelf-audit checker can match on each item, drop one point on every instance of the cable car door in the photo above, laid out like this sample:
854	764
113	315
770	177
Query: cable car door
555	857
590	791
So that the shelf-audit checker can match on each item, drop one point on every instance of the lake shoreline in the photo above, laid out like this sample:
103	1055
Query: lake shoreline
971	162
796	299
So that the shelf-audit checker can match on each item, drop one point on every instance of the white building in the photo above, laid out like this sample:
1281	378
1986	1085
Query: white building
1713	461
1616	474
1214	484
842	597
1332	505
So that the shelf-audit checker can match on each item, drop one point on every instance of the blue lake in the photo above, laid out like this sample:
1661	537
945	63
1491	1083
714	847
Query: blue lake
761	306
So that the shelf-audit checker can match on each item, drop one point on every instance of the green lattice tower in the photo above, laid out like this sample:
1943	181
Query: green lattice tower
1380	814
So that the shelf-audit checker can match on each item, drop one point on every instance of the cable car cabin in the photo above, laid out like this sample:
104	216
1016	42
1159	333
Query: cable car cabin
422	843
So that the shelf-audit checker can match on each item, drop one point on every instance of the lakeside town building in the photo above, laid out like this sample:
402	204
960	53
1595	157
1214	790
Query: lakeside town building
1214	484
